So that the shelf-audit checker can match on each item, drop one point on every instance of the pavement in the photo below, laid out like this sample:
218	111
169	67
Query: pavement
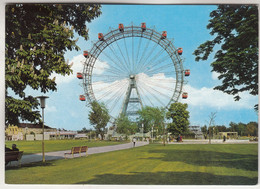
31	158
213	141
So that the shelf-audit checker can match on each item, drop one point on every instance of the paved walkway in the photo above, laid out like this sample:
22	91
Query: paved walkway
60	154
213	141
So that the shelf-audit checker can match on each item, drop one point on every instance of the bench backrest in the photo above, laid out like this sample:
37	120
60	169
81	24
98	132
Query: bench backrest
75	150
84	149
13	155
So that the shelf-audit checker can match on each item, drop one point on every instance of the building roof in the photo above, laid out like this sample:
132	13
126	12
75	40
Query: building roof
33	126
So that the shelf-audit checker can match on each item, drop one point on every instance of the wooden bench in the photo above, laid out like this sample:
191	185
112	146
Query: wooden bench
13	156
84	149
77	150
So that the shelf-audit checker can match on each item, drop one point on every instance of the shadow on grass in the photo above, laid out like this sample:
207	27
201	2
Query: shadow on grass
29	165
170	178
209	158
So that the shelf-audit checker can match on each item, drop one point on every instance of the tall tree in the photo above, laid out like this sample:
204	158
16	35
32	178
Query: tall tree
235	29
240	128
252	129
37	37
125	126
99	117
151	117
179	117
211	123
204	130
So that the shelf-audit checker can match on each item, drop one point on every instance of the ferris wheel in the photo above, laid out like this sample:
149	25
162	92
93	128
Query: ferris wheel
132	67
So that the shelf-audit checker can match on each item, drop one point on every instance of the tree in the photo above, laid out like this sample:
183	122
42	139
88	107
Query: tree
240	128
125	126
235	29
179	116
204	130
99	118
36	39
151	117
221	128
252	129
211	123
84	130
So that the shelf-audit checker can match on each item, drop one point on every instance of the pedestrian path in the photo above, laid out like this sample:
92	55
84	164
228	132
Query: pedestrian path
213	141
26	159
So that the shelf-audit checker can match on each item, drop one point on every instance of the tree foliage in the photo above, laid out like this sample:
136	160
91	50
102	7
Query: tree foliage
179	117
235	29
125	126
252	129
99	117
37	37
151	116
243	129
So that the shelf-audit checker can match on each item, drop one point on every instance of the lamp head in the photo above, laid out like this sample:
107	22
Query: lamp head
42	100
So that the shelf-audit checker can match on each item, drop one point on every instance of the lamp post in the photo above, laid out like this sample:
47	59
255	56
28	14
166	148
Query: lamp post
42	102
143	131
152	133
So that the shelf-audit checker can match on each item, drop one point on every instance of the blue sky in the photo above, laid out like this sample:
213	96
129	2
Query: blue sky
186	24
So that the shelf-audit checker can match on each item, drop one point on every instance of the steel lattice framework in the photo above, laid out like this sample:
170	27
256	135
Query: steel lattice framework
133	32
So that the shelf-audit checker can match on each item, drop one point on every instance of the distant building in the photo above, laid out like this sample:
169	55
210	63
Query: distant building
197	131
13	132
229	135
81	136
61	134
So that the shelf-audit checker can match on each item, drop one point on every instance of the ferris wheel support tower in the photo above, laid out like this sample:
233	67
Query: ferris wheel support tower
131	104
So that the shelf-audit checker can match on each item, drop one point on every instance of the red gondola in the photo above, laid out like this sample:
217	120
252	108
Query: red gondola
121	27
86	54
82	97
100	36
79	75
184	95
143	26
187	72
164	34
179	50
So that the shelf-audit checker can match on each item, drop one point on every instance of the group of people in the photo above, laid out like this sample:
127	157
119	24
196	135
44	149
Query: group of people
14	148
179	138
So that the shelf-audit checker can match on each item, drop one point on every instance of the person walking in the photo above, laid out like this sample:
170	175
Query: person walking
134	140
224	138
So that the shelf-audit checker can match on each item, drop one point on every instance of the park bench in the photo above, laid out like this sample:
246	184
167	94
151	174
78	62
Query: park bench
77	150
84	149
13	156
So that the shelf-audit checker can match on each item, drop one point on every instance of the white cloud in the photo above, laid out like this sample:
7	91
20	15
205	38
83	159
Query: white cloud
215	75
207	97
100	67
78	65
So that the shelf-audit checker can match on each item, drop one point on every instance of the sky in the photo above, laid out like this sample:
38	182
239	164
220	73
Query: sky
186	27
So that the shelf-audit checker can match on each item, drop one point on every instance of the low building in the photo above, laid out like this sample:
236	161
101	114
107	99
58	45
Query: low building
197	131
13	132
61	134
229	135
81	136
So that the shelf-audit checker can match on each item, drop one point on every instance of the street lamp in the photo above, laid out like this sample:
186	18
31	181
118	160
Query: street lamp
143	130
152	133
42	102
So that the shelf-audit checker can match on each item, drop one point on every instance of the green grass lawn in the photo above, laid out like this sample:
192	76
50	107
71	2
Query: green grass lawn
30	147
189	164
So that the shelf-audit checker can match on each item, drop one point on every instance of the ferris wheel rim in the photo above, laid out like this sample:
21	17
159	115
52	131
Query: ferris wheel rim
132	31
